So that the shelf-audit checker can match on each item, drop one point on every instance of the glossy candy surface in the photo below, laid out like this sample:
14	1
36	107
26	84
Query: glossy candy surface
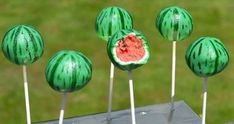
22	45
128	49
111	20
174	23
68	71
207	56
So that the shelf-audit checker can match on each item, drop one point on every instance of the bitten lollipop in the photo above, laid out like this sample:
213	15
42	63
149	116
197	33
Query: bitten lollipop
23	45
128	49
174	24
206	57
109	21
68	71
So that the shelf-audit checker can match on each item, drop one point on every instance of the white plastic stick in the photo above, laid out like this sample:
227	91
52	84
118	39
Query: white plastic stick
112	69
26	94
132	97
64	97
204	101
173	75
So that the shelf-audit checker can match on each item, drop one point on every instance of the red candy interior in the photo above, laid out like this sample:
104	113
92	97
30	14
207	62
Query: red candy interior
130	49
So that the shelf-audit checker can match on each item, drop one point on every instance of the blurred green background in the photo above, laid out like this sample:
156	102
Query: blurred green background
69	24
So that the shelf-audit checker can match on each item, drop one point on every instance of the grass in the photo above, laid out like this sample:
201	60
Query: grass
70	25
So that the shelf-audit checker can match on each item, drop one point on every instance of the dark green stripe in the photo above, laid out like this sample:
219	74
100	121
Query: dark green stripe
121	18
15	44
54	68
74	72
110	24
161	18
176	21
200	49
191	48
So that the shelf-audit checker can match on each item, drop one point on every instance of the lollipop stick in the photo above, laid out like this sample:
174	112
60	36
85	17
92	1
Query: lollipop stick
204	100
64	97
26	94
110	91
173	75
131	97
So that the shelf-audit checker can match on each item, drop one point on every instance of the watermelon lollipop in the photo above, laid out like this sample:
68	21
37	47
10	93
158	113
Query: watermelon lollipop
68	71
206	56
174	24
109	21
128	49
23	45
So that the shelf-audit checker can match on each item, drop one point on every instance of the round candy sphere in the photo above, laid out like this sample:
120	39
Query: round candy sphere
68	71
174	23
128	49
22	45
111	20
207	56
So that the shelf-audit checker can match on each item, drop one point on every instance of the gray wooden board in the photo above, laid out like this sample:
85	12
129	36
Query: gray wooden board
152	114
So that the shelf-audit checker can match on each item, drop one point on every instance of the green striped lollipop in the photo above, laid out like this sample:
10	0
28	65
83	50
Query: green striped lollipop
128	49
174	23
68	71
22	45
111	20
207	56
